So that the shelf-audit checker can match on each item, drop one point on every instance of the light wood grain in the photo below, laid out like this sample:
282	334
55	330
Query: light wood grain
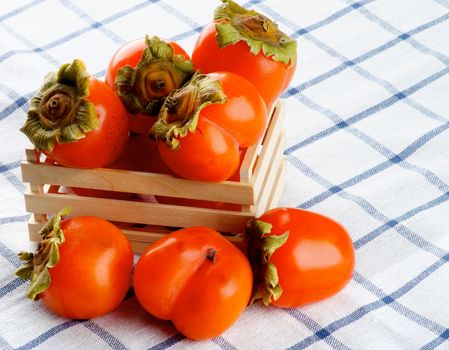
271	175
35	186
138	182
278	187
139	240
264	160
31	155
246	169
139	212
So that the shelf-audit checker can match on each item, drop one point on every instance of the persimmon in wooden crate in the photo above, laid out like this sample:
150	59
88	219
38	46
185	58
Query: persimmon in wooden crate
262	175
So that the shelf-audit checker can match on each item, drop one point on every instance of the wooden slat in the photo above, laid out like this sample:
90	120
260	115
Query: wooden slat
139	247
35	187
246	169
139	240
139	212
150	237
30	155
271	174
138	182
277	188
270	145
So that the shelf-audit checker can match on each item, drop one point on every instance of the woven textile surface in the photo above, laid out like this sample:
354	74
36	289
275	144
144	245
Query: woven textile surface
367	121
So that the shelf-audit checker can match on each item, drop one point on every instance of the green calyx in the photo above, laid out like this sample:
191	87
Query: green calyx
235	23
60	111
143	89
181	109
260	248
35	265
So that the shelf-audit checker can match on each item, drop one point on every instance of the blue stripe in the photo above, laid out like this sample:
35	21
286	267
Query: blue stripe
103	334
19	10
21	102
390	155
108	338
28	43
382	82
385	227
9	255
186	34
11	219
442	338
199	28
396	306
79	32
422	140
223	343
95	24
173	11
168	342
12	94
380	148
14	180
314	327
9	166
421	277
324	333
327	20
5	345
366	309
370	111
406	36
48	334
99	74
370	209
392	160
346	62
9	287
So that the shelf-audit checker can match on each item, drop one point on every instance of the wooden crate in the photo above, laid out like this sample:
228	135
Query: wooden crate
261	181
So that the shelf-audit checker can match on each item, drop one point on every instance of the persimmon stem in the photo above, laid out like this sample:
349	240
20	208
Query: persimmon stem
143	88
234	23
181	109
261	244
59	108
36	265
211	254
60	111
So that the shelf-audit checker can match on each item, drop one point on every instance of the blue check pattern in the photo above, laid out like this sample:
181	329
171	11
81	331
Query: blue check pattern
367	129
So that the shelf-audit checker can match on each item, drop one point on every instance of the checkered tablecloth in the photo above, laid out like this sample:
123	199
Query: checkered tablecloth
367	144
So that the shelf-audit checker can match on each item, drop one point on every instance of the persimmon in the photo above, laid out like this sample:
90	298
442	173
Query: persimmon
76	119
82	267
249	44
195	278
298	257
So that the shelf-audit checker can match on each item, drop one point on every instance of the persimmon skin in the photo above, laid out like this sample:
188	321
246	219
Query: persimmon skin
208	154
244	115
104	145
140	154
316	261
93	274
270	77
175	280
